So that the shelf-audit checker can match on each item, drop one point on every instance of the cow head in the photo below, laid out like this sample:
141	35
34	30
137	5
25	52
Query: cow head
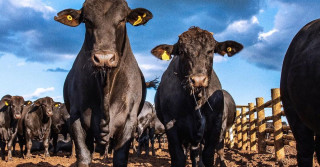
59	117
196	48
46	104
16	105
105	22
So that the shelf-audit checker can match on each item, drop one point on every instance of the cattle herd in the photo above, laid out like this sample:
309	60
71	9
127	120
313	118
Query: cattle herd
104	105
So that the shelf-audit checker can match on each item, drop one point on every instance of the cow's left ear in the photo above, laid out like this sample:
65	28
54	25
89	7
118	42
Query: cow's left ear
56	104
69	17
164	51
7	102
139	16
37	102
228	47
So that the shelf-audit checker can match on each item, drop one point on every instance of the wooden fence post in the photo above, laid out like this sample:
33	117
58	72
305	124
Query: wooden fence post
244	129
277	123
234	137
261	125
239	136
253	142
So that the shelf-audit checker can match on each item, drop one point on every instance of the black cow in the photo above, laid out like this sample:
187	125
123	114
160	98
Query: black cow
300	91
145	132
189	100
159	130
10	113
228	118
36	124
105	89
59	124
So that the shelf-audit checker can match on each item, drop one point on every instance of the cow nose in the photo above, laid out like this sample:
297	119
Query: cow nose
199	80
106	58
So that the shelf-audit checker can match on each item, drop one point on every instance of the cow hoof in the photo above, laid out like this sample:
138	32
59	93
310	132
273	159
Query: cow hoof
46	155
28	156
9	159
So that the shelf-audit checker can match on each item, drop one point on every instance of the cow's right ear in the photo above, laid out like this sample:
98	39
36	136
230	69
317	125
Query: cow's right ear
27	102
163	52
69	17
37	103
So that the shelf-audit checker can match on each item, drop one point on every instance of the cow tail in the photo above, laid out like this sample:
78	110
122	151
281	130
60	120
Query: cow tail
153	83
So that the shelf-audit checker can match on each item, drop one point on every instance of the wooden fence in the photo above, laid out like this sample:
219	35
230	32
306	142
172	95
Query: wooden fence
250	134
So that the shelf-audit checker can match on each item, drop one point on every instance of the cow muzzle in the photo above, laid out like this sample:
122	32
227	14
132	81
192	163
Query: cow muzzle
199	80
105	59
17	116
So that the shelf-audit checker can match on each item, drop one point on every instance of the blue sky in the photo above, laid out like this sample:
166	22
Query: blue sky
36	52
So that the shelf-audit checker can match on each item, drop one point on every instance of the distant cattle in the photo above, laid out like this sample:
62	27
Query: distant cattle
105	89
59	124
189	100
10	113
36	124
300	91
145	132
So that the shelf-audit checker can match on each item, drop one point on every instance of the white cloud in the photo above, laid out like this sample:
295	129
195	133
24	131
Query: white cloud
265	35
150	67
38	92
36	5
21	64
242	26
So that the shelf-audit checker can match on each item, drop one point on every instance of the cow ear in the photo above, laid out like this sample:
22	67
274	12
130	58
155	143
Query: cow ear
163	52
139	16
7	102
27	102
37	103
69	17
56	104
228	47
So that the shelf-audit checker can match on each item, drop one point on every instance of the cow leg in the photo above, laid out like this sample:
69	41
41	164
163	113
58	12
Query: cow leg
46	144
120	157
28	143
220	151
73	151
317	147
3	146
178	158
194	156
54	142
146	145
21	143
139	148
11	141
303	135
152	137
159	141
82	152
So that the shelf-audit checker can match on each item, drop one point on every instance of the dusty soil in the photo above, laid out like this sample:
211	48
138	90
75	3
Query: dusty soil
234	158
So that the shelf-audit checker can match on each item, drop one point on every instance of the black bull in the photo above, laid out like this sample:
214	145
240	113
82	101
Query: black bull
189	100
300	91
105	89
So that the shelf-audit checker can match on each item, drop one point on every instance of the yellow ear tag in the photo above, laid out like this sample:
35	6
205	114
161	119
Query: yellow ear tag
138	21
165	56
144	15
29	102
6	103
57	105
229	49
69	17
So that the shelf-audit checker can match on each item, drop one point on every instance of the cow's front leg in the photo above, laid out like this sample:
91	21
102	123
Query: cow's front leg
28	143
13	138
46	142
178	158
79	136
3	152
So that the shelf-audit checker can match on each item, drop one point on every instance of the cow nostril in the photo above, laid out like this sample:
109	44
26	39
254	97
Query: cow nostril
112	59
96	59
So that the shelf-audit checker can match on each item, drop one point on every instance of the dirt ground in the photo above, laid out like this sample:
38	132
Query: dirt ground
234	158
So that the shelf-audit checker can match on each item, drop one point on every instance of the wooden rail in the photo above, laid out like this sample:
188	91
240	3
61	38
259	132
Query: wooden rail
254	138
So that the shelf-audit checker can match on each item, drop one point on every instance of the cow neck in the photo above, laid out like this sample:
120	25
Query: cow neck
39	111
113	74
199	102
